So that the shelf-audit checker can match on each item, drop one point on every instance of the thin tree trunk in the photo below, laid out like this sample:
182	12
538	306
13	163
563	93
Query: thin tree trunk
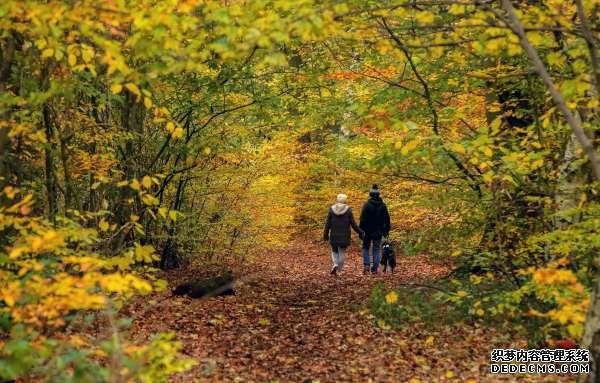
132	122
64	156
4	152
92	204
6	60
50	177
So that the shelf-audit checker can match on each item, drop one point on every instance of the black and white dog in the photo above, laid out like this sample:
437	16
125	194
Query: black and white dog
388	256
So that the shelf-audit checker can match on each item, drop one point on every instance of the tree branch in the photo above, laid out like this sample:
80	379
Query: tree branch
586	143
591	44
430	103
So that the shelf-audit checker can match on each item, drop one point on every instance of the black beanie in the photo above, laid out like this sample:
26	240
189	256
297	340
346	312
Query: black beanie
374	191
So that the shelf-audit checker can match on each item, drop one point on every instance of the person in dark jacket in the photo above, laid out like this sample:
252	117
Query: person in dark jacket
375	222
337	231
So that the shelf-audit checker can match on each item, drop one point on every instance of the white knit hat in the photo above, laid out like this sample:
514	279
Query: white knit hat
341	198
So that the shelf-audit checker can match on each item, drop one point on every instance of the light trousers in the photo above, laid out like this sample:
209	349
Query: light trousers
338	256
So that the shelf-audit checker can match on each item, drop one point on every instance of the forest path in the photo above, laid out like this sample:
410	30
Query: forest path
293	322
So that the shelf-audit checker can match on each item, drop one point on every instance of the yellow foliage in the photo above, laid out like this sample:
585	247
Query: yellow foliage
562	285
554	276
409	146
425	17
147	182
116	88
103	225
458	148
133	89
56	278
391	297
177	133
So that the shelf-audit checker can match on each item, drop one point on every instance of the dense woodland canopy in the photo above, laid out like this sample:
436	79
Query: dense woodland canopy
140	136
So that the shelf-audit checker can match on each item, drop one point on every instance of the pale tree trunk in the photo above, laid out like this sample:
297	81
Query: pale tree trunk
591	334
570	183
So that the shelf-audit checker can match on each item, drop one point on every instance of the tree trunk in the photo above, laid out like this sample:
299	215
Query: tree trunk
591	337
591	334
6	60
132	122
50	177
64	157
570	182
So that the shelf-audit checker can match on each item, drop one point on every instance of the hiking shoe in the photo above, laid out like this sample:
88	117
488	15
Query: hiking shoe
374	272
334	270
366	270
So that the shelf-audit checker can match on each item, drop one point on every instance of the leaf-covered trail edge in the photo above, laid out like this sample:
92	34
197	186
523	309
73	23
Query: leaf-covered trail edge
290	321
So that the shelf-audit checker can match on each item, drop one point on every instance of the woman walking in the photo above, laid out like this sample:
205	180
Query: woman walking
337	231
